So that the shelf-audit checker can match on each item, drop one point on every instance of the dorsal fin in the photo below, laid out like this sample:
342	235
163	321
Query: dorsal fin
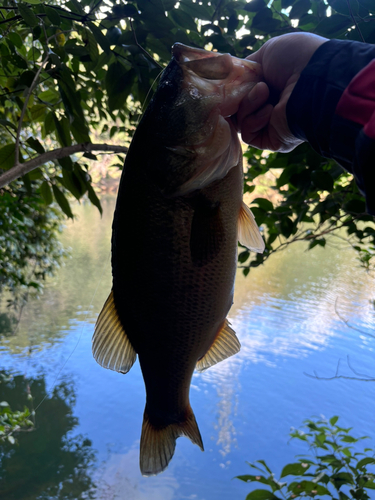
248	231
225	345
111	347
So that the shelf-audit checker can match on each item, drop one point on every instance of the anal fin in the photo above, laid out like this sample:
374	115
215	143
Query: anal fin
226	344
248	231
111	347
158	443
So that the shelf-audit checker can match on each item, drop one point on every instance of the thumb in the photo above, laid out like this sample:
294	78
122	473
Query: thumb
256	56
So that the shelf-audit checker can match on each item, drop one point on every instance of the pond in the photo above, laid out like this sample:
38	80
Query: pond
288	316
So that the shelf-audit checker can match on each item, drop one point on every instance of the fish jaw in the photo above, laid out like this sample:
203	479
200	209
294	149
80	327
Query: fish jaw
213	73
219	82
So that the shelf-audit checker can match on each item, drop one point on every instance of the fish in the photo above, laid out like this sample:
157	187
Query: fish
179	216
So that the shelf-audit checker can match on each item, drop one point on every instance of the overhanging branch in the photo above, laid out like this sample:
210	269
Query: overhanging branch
56	154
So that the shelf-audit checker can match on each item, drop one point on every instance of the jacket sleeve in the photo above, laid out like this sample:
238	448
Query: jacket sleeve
333	108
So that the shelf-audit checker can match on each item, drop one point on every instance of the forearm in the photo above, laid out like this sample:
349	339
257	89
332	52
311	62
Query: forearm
333	108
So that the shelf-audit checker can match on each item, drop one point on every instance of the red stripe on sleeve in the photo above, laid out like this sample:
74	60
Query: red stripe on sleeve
357	103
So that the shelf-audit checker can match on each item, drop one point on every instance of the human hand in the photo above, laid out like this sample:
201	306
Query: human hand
283	58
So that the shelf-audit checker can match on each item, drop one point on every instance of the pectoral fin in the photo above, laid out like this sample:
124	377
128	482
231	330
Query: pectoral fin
248	231
111	347
226	344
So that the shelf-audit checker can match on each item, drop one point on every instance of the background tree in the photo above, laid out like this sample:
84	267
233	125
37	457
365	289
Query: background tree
75	69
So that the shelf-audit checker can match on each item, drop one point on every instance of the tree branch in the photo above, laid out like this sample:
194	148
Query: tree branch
350	326
362	377
56	154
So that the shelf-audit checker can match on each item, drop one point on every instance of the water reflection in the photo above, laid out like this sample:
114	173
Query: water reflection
48	461
119	480
284	314
78	290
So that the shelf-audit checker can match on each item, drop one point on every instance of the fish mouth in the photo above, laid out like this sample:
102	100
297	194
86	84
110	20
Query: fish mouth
208	65
212	73
212	87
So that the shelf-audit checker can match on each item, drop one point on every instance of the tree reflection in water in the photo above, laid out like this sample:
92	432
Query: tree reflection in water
46	463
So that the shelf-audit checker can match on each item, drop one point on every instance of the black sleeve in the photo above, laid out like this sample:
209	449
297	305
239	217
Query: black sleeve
312	105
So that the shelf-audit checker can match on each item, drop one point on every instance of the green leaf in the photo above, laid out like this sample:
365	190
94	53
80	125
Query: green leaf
349	439
38	112
63	131
62	201
261	495
118	83
196	11
79	132
66	163
342	478
183	19
92	46
73	183
35	145
100	38
46	193
16	39
322	180
49	96
125	10
364	462
52	15
355	206
255	5
262	462
243	256
333	420
49	123
296	469
299	9
321	242
7	156
264	21
93	198
341	6
8	124
334	25
264	204
28	15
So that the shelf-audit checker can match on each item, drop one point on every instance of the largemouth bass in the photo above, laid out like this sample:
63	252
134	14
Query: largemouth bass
178	218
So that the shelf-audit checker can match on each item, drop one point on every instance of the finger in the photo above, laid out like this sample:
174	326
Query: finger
254	123
256	56
251	103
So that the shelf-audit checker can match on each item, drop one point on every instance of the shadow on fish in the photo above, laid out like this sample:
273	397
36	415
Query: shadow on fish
178	218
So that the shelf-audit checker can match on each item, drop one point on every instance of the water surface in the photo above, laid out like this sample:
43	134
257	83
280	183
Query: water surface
86	441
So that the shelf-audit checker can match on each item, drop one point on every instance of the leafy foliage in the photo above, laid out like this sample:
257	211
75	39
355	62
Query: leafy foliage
12	422
318	200
331	469
53	460
74	68
29	247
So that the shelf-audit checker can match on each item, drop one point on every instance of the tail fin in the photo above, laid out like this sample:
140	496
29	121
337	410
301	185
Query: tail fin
158	443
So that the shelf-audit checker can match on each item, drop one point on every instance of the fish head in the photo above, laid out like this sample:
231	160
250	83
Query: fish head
199	93
223	77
